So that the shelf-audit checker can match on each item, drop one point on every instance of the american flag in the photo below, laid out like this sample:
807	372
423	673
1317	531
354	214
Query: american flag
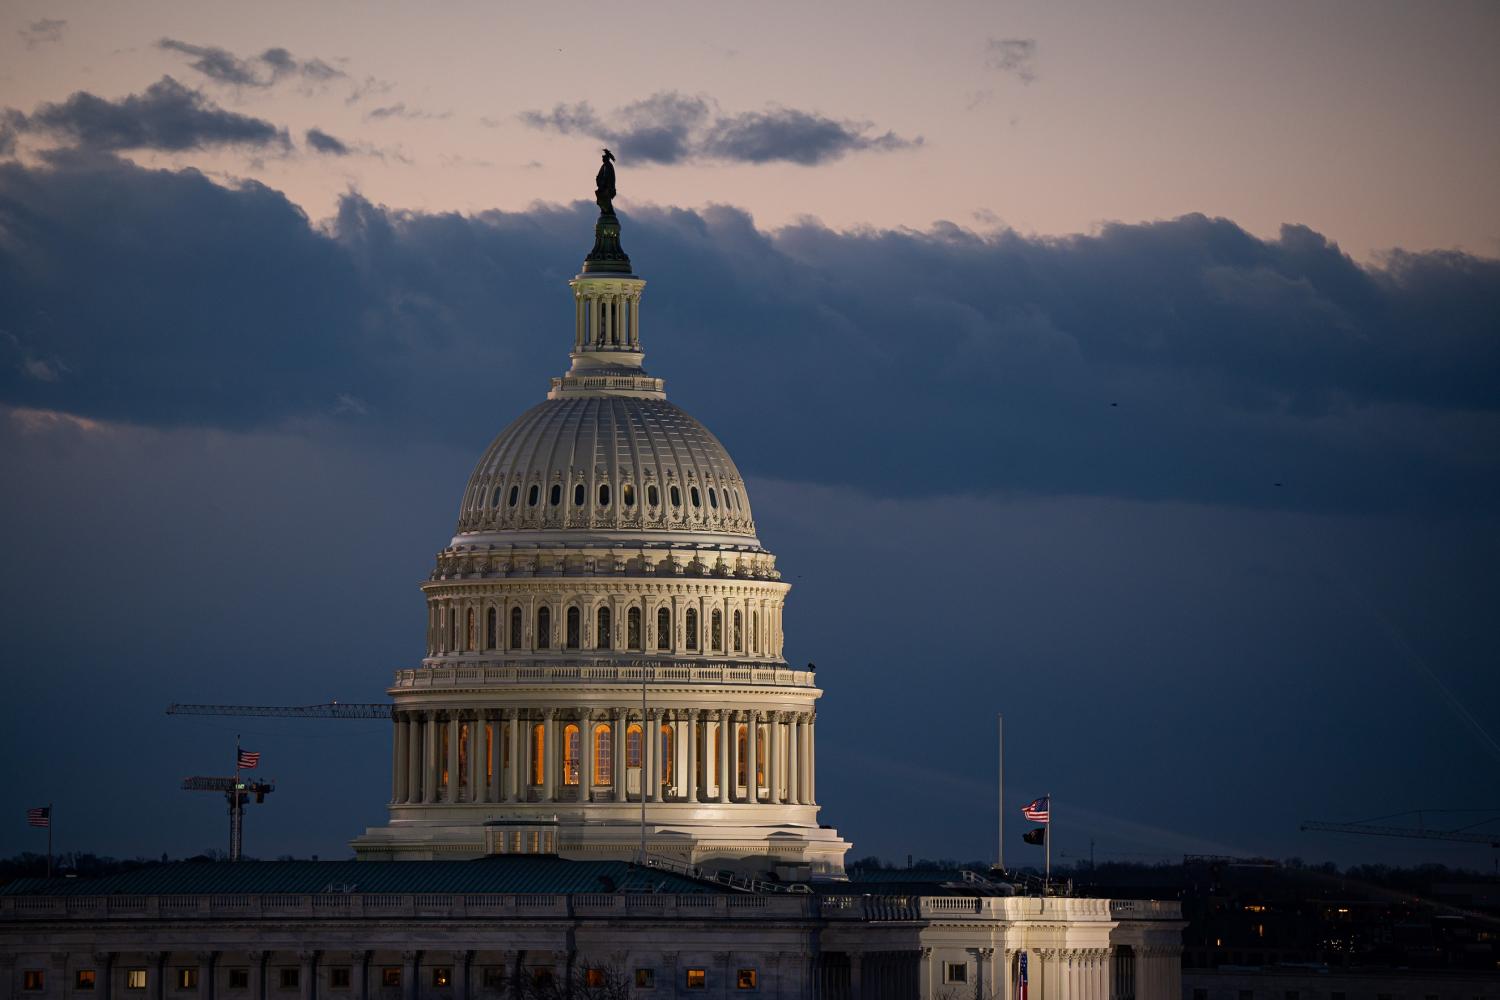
249	759
1038	810
1022	979
39	816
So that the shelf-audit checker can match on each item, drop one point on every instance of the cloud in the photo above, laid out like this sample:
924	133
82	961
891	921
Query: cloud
1182	359
271	66
44	31
167	117
1015	56
668	127
322	142
400	110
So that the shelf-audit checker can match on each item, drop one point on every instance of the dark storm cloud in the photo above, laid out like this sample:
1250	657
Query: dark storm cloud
271	66
1179	359
48	29
1015	56
167	116
322	142
671	128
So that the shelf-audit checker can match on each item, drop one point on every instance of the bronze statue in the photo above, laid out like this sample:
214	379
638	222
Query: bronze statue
604	185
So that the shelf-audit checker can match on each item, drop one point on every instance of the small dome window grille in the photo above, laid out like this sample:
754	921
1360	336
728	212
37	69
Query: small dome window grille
713	500
556	497
532	495
697	500
627	495
653	497
676	497
515	493
578	495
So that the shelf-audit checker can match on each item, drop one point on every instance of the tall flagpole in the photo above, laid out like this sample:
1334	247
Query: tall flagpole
1000	831
644	776
1047	881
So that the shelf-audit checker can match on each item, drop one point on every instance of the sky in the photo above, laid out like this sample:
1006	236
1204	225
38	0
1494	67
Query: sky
1129	371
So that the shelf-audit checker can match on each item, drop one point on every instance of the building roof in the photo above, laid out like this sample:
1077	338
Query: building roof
503	874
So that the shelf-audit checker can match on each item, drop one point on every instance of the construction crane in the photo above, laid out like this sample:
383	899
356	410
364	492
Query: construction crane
236	792
332	710
1418	832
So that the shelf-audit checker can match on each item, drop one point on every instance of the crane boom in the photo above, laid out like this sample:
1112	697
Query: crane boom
332	710
1419	833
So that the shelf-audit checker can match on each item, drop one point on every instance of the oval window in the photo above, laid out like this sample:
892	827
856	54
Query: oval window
713	501
676	497
627	495
495	500
652	497
604	494
693	492
578	495
532	494
515	491
556	494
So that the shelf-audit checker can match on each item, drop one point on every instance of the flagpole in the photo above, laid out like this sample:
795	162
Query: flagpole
1047	880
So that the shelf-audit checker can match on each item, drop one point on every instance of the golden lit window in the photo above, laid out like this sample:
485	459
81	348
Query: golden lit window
697	979
633	745
570	762
645	979
745	979
666	755
441	976
594	978
187	978
33	980
538	754
604	756
135	979
83	979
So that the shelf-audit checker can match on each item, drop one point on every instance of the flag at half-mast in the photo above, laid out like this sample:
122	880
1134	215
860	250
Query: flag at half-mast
249	759
1038	810
39	816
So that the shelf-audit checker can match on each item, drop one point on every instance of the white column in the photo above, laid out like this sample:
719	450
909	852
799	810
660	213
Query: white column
773	758
752	755
430	779
453	737
477	785
617	734
549	756
495	756
793	758
690	774
726	773
585	759
812	759
514	787
398	761
650	751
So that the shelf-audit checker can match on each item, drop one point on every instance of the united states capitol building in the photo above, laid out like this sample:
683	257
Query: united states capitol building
603	773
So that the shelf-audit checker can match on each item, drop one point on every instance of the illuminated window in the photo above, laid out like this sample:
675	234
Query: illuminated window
543	627
538	754
594	978
697	979
135	979
33	980
740	761
579	495
573	628
532	495
653	498
691	624
627	494
442	749
645	979
570	763
604	494
289	979
667	756
746	979
187	978
490	628
83	979
955	972
603	628
390	976
604	756
515	628
633	628
716	631
555	497
441	976
633	745
676	496
739	632
338	977
663	629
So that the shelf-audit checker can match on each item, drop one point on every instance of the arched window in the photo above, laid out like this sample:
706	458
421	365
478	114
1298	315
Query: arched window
490	617
663	629
495	499
538	754
602	629
452	630
627	495
532	495
676	496
633	628
570	762
515	491
604	494
556	497
693	492
544	627
578	495
755	631
691	624
667	756
652	496
716	631
713	499
515	628
739	632
471	631
573	618
741	736
604	756
633	745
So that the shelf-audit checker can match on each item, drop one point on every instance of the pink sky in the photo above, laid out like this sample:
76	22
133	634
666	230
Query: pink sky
1374	123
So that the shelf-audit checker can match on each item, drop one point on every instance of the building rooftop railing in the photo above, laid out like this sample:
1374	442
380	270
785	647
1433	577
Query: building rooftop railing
601	672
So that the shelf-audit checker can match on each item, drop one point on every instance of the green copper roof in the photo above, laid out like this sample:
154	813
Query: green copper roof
513	874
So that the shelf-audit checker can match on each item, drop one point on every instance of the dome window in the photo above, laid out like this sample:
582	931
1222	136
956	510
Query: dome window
532	495
604	494
603	633
627	495
543	627
713	500
515	493
578	495
652	496
572	628
691	620
693	492
676	497
663	629
633	628
556	497
495	500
